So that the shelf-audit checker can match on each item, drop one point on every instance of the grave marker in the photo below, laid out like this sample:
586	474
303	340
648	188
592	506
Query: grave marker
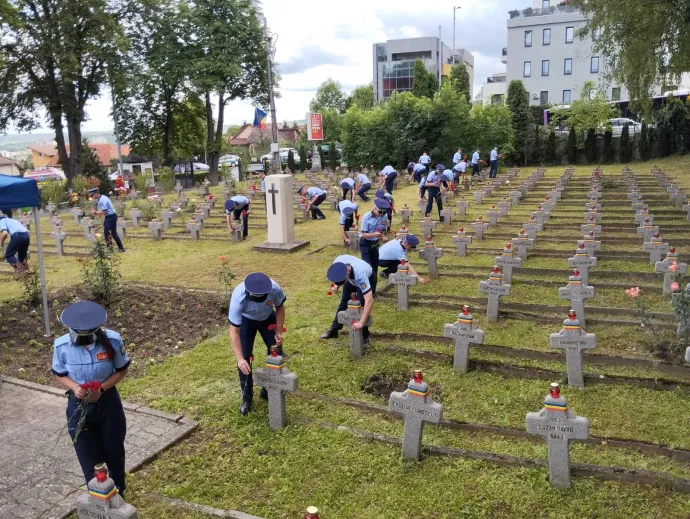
478	196
644	215
88	226
670	267
77	215
577	293
121	227
494	288
522	243
276	379
156	228
102	500
508	262
416	407
591	244
405	213
404	281
428	226
178	189
354	236
402	232
647	230
492	214
50	208
350	316
540	216
462	205
532	227
503	207
184	201
431	253
583	262
135	214
464	332
686	208
59	237
590	226
479	226
447	214
238	228
166	219
194	227
461	241
559	426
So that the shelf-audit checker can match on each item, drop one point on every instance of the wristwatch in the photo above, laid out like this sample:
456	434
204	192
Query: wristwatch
101	390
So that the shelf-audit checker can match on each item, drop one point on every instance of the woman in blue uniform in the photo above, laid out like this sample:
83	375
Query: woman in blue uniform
90	353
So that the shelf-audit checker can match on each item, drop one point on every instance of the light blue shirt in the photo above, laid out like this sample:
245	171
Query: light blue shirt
460	166
314	191
88	363
349	182
494	155
448	175
363	179
419	167
457	157
475	157
342	205
241	306
392	251
371	223
11	225
240	202
361	271
425	159
387	170
423	181
105	205
263	185
433	178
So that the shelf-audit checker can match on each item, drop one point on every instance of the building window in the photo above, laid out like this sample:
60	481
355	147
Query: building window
545	4
546	37
569	34
594	65
596	34
568	66
528	38
616	94
527	69
497	99
545	67
566	97
544	97
381	59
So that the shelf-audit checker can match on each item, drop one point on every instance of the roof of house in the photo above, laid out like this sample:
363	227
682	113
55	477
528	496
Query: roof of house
46	149
4	161
105	153
248	134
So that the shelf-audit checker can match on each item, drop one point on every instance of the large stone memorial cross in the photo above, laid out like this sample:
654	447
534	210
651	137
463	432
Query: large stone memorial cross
494	288
276	379
416	407
463	332
280	215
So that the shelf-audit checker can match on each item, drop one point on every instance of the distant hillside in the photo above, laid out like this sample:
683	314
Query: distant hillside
21	141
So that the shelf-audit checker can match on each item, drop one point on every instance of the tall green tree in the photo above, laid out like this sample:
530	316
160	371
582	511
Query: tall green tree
626	145
362	96
571	147
229	62
607	148
461	78
302	157
420	80
644	142
591	110
54	56
329	96
518	104
648	41
291	161
551	152
591	146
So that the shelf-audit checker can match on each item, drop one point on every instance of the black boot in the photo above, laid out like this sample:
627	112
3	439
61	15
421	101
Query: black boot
263	394
332	333
245	407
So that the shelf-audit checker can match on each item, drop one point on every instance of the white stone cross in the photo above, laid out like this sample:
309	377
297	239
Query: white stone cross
431	253
178	189
590	226
447	214
405	213
573	340
644	215
428	225
462	205
354	236
416	407
135	215
461	241
522	243
166	219
582	261
494	288
492	214
404	281
464	333
540	216
102	500
237	228
194	227
350	316
559	426
156	228
503	207
509	262
532	227
478	196
515	196
183	201
647	230
670	267
88	226
478	227
121	227
577	293
77	214
276	379
591	243
59	239
592	215
655	248
686	208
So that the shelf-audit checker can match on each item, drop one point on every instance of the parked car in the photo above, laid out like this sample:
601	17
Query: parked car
619	123
325	148
230	160
183	167
283	156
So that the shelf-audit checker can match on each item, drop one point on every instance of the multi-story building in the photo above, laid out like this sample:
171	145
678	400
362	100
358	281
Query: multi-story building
547	54
394	61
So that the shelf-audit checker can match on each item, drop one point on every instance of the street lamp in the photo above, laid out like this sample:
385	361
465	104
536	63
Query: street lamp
454	10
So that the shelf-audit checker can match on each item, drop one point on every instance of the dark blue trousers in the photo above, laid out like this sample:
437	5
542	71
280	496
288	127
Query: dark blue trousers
19	247
110	230
370	253
248	331
363	190
389	266
348	290
346	191
494	169
316	213
102	439
236	213
389	182
417	175
434	194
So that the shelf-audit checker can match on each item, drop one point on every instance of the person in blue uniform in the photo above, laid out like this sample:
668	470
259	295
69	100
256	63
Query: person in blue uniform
446	175
457	157
363	185
459	170
354	276
475	162
256	305
91	353
371	231
348	187
105	208
237	206
425	160
433	186
422	186
410	168
389	174
418	171
395	251
18	247
389	212
348	212
7	211
315	196
493	161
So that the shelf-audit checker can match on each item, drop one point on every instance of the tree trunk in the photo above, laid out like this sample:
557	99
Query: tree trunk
56	118
168	131
214	135
74	134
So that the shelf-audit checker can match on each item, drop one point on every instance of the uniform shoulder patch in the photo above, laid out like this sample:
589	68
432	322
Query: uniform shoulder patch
362	285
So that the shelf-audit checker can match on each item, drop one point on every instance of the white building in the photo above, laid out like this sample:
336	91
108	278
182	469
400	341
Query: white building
545	52
393	62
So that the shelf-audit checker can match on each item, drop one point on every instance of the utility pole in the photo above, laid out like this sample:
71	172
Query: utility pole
454	10
120	168
439	57
274	124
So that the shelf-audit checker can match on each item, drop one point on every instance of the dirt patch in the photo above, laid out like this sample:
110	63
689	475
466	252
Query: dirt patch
383	384
154	323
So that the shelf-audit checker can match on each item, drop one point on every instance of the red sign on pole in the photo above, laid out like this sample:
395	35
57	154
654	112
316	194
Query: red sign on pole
314	127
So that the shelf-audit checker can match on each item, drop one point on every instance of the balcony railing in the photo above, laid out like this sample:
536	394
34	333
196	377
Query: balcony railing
529	12
496	79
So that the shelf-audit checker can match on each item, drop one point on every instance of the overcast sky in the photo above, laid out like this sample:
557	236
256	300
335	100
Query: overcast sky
318	40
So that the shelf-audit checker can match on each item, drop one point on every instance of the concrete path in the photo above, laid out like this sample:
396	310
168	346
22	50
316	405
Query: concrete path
39	472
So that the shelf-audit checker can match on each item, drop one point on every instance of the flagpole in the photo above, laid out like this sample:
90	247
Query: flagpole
274	126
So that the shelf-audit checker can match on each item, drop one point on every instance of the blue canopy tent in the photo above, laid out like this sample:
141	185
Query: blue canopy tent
23	192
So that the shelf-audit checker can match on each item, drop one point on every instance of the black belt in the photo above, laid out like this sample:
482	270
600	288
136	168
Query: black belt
19	232
108	392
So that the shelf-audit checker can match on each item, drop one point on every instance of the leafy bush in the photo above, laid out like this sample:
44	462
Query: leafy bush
166	179
551	153
52	191
626	145
302	157
101	275
149	210
644	143
571	147
80	184
291	161
607	148
140	182
591	146
31	284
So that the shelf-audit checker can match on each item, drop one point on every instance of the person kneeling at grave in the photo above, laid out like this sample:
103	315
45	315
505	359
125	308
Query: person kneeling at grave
354	276
348	213
237	206
391	210
18	248
395	251
256	305
316	197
